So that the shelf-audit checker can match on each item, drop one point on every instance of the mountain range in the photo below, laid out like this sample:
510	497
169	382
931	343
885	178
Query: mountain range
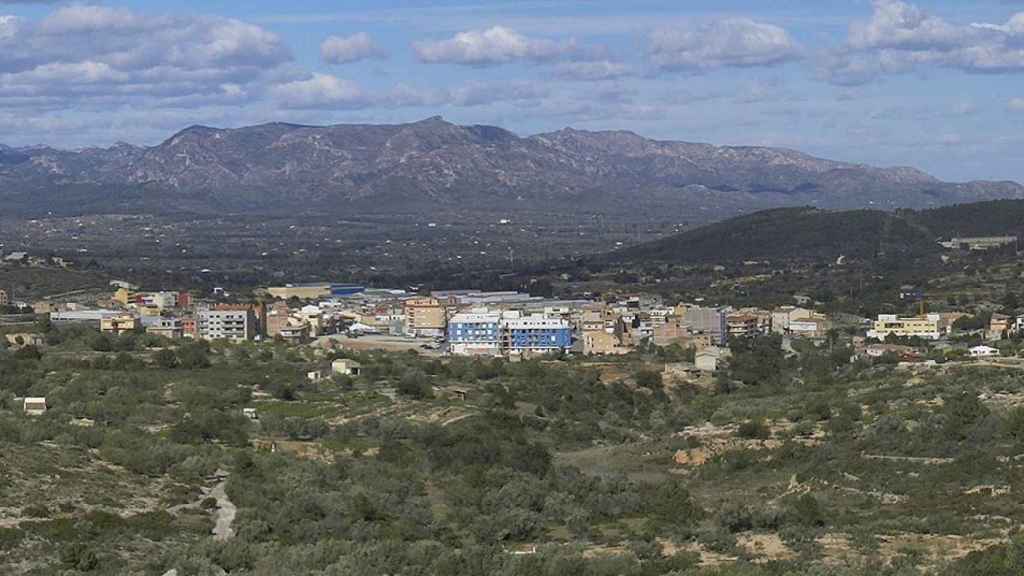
433	166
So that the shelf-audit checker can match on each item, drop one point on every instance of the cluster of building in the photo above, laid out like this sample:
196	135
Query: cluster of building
938	326
978	242
465	322
620	327
171	314
508	324
20	258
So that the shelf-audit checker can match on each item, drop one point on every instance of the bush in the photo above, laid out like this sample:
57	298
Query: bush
10	538
1014	424
962	411
79	556
819	409
415	384
754	429
671	503
805	510
166	359
36	511
194	355
647	378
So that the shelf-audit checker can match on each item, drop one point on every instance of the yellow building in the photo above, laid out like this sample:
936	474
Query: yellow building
124	296
43	307
300	291
602	342
926	327
117	324
425	317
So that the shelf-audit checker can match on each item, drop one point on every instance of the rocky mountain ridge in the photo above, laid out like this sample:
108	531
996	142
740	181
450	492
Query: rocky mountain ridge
436	165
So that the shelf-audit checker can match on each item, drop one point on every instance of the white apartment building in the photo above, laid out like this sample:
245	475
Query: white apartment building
235	323
159	300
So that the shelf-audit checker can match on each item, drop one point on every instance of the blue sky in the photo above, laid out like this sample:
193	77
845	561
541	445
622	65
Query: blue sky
934	84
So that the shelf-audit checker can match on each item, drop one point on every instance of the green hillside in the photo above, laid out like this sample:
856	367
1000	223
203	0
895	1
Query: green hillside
811	234
791	233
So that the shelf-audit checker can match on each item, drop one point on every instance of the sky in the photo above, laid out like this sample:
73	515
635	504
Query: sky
935	84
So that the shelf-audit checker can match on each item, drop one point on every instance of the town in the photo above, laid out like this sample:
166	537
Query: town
516	325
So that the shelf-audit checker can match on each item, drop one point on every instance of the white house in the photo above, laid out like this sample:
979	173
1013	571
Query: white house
35	406
707	360
346	367
984	352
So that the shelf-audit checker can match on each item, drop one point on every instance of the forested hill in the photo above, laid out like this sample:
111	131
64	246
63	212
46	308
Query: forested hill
812	234
994	218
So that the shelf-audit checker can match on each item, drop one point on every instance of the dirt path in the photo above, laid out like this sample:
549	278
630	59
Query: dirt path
912	459
459	418
226	511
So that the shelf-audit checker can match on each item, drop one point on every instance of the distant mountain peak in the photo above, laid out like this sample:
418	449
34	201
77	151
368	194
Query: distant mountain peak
438	119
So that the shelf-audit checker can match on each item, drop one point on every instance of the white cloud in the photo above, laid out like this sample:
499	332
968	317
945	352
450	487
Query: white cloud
8	26
593	70
1016	104
896	24
900	37
320	91
96	54
482	94
324	91
732	42
79	19
496	45
346	49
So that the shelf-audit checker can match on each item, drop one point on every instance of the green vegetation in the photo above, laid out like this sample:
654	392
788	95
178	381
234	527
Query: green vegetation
788	463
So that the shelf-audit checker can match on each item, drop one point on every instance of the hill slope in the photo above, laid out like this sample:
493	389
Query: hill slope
814	234
433	165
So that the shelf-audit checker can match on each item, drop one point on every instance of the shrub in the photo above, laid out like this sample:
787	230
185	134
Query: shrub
754	429
79	556
647	378
36	511
736	518
10	538
166	359
819	409
415	384
1014	424
805	510
194	355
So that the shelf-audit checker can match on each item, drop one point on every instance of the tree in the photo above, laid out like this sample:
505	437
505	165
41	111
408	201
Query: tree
415	384
166	359
647	378
757	360
101	343
670	502
806	510
962	411
1011	302
194	355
